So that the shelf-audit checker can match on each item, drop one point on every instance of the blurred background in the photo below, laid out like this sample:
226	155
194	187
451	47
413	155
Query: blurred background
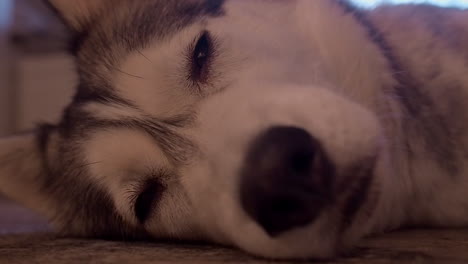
36	73
447	3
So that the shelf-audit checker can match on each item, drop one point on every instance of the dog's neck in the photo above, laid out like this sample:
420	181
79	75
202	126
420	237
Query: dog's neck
358	68
432	92
351	59
372	61
366	58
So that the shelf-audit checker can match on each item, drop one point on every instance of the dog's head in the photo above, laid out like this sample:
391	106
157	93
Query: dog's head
248	123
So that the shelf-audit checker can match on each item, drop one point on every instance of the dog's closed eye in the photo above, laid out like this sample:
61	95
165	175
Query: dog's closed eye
148	198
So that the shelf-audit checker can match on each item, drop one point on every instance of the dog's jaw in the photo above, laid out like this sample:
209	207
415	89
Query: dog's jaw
350	134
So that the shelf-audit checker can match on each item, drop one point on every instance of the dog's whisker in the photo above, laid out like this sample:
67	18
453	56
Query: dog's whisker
129	74
144	56
82	166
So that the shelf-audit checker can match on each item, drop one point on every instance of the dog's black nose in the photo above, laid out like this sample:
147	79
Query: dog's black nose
286	179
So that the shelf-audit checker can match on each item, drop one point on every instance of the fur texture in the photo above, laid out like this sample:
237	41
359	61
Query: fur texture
172	95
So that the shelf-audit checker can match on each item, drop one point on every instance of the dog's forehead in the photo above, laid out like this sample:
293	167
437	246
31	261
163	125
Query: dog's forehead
159	18
136	23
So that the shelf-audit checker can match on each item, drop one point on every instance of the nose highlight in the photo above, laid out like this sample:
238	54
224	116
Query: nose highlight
286	179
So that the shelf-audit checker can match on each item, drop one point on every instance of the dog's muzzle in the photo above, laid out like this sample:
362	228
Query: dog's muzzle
286	179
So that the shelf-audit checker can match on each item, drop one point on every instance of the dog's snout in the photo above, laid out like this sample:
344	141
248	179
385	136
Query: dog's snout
286	179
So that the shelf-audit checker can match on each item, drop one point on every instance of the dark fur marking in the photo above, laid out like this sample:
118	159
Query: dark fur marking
78	124
85	209
180	121
422	120
177	148
359	194
448	31
104	96
162	18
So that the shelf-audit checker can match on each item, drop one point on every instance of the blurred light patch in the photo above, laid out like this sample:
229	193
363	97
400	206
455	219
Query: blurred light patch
444	3
5	13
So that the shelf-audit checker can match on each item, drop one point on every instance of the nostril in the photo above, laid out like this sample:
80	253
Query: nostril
285	181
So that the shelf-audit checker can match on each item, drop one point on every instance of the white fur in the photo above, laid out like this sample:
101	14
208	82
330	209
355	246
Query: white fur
301	63
263	88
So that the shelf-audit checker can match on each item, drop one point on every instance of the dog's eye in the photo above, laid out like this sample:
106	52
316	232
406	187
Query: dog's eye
201	58
147	200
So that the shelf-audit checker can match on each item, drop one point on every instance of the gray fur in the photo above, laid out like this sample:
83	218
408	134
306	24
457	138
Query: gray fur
426	127
94	215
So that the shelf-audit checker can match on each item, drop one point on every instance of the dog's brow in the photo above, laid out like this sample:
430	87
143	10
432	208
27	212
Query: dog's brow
178	148
161	19
104	95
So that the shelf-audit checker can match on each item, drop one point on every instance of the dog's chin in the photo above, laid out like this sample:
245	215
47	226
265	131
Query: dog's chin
334	231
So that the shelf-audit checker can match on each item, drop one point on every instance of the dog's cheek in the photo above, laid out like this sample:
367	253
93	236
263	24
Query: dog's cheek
118	160
175	217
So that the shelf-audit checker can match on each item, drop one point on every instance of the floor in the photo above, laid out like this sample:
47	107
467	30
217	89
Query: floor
24	238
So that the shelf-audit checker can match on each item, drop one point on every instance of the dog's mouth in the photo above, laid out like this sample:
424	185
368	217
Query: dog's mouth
288	181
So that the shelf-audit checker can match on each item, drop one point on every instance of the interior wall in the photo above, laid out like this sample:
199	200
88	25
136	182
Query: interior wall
36	75
5	69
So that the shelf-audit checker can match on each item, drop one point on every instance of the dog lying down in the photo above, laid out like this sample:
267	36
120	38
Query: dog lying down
288	129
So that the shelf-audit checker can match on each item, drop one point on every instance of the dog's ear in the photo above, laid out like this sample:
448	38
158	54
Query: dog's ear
22	171
77	14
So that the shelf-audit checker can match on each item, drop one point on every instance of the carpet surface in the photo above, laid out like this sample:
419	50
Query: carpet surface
25	238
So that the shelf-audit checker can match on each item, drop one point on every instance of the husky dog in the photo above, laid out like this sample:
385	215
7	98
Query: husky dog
288	129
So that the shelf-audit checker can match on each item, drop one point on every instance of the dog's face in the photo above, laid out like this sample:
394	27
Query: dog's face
238	122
